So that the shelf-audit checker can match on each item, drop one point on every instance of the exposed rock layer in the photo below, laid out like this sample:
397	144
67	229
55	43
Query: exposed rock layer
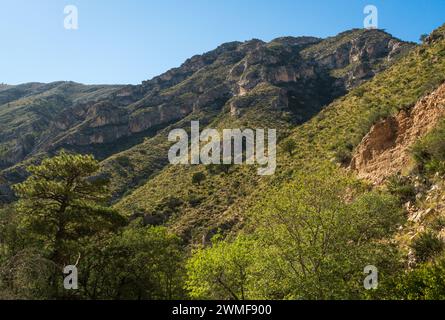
384	151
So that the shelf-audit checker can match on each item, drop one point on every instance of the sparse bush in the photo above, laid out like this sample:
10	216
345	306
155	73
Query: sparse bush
429	152
426	246
343	156
402	188
289	146
124	161
198	177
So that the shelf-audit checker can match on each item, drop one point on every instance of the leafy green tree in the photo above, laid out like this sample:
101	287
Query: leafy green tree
221	271
139	263
312	239
62	202
24	271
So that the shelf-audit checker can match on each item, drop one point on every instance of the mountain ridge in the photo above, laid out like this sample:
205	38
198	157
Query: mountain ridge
287	73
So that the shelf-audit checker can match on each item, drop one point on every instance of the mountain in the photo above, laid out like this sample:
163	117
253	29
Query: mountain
293	78
359	178
220	201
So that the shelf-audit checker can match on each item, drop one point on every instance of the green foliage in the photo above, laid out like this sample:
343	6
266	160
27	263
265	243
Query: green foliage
222	271
62	202
429	152
218	168
320	243
343	156
60	205
424	283
140	263
423	37
123	161
307	243
438	223
289	146
198	177
401	187
426	246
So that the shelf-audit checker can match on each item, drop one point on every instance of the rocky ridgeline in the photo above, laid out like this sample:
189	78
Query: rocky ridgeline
233	69
307	73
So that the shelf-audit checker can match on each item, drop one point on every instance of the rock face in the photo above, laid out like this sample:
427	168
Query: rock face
384	151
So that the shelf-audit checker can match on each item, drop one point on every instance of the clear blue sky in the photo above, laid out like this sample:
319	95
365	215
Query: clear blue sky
128	41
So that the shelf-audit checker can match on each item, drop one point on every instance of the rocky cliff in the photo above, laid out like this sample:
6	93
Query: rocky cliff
385	150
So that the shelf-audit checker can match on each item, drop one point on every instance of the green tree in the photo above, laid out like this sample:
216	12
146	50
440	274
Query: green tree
139	263
61	203
312	239
221	271
24	271
289	146
423	37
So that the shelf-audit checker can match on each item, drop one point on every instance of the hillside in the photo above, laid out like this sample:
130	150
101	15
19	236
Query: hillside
220	200
293	78
360	121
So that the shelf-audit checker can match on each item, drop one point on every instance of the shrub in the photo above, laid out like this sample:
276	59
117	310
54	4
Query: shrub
429	152
218	168
289	146
438	223
402	188
194	200
426	246
198	177
424	283
343	156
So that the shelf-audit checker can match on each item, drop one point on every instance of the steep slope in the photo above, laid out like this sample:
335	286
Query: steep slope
220	201
385	150
340	127
279	97
224	79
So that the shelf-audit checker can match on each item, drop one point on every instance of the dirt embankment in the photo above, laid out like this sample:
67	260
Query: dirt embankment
384	151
